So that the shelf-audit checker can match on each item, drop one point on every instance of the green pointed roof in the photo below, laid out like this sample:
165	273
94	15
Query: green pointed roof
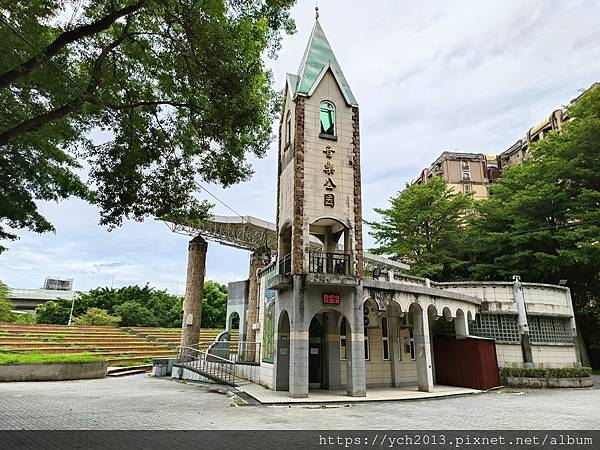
317	58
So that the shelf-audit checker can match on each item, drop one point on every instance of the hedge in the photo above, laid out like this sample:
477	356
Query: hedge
562	372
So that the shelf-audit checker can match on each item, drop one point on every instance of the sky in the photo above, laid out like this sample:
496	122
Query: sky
429	76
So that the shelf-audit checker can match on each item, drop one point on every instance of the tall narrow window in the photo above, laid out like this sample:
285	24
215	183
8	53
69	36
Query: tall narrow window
385	339
327	118
288	129
343	339
366	342
412	344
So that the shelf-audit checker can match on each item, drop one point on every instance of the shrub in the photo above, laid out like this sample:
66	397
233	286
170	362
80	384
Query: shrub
26	318
133	314
560	372
98	317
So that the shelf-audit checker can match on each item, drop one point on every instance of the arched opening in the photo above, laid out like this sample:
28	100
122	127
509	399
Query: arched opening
233	324
282	354
329	350
285	249
334	255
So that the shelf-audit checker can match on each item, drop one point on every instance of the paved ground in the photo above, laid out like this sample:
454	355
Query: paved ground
142	402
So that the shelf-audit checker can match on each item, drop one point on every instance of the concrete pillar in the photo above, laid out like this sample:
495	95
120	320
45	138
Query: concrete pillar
461	326
522	318
194	289
423	351
298	341
332	375
258	259
356	374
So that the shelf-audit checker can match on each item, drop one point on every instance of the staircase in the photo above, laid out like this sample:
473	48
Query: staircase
218	363
215	368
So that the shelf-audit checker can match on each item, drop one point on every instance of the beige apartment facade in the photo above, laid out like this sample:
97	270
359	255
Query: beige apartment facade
474	172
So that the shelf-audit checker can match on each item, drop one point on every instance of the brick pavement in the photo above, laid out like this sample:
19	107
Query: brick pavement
142	402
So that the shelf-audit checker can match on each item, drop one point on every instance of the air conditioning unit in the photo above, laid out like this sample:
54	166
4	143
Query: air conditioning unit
256	326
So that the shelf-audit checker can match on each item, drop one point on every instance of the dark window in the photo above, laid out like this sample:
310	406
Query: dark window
288	129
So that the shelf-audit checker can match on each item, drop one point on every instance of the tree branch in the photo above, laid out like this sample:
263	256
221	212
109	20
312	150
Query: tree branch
66	38
35	123
133	105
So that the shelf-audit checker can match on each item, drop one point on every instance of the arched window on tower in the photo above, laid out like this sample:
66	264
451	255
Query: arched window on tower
327	118
288	129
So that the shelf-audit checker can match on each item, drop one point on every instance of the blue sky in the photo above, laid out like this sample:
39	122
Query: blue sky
429	76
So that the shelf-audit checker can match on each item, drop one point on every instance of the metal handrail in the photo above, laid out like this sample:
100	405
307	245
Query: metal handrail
211	366
285	265
329	262
238	351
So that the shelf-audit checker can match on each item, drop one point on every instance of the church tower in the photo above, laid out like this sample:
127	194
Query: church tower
319	186
319	227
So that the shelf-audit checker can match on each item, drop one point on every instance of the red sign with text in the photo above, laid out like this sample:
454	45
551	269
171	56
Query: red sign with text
331	299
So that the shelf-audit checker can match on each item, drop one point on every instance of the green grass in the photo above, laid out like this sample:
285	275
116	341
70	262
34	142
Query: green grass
40	358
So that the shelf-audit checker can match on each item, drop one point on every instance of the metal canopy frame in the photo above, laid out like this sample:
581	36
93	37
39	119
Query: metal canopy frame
250	233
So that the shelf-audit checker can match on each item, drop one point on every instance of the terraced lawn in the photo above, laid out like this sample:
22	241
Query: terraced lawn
121	346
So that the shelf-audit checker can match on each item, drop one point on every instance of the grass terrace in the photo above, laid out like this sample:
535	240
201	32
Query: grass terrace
41	358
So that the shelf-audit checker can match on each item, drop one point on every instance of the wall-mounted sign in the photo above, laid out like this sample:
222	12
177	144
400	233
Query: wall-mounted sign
331	299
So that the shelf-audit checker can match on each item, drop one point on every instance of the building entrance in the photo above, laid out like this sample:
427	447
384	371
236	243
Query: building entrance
315	353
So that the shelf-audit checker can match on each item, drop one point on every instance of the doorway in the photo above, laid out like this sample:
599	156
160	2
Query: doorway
315	353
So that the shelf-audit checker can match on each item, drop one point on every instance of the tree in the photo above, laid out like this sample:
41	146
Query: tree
214	305
6	314
54	312
424	227
97	317
134	314
543	217
138	306
177	89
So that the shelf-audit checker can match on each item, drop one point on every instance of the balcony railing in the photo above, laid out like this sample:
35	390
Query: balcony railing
285	264
333	263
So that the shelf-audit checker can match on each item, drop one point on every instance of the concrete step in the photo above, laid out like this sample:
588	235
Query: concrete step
116	370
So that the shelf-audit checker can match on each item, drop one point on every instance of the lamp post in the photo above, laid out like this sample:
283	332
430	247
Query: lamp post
71	313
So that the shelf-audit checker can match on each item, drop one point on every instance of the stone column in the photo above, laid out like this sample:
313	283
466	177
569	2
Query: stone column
356	376
423	351
258	259
194	289
298	342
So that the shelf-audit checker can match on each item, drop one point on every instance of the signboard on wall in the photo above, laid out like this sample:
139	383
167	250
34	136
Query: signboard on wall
332	299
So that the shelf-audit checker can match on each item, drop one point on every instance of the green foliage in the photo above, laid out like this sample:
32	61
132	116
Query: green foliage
97	317
214	305
561	372
139	306
25	318
133	314
6	314
47	358
53	312
196	65
424	227
542	222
